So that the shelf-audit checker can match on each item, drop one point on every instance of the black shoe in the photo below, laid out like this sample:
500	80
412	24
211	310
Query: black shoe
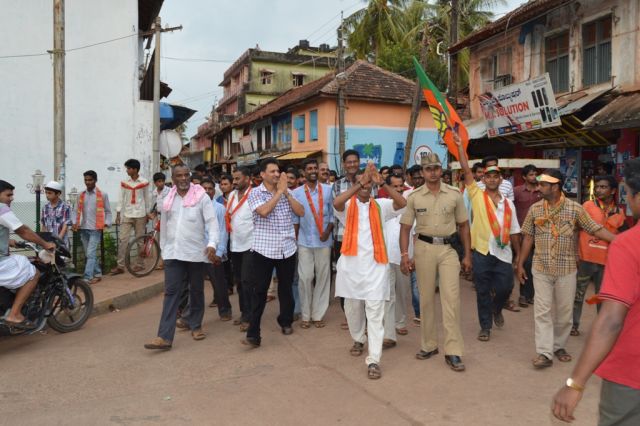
287	331
455	362
498	319
484	335
251	341
426	355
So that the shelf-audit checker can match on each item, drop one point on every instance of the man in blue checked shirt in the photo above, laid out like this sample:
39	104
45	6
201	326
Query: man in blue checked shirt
215	271
315	240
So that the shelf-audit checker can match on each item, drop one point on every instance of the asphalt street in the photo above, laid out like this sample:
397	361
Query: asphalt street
102	375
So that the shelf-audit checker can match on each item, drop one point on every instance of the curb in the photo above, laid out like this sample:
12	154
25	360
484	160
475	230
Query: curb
126	300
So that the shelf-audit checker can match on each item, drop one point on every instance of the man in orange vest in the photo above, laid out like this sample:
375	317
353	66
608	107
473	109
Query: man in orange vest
593	251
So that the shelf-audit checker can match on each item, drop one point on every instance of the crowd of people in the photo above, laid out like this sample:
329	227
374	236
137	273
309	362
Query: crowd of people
394	238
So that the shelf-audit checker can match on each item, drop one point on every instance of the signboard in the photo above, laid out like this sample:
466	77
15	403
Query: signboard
520	107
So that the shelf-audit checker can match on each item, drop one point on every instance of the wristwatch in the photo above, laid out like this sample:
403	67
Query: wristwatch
573	385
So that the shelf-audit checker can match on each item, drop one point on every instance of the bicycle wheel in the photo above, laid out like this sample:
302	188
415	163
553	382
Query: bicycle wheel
64	318
143	254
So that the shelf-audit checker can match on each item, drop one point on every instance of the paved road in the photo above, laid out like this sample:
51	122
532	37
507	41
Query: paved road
102	375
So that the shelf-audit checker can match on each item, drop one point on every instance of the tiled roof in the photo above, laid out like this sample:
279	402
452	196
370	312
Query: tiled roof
512	19
364	81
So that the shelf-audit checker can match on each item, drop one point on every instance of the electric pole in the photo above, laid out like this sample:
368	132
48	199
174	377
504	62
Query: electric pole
453	59
59	154
417	98
342	81
157	30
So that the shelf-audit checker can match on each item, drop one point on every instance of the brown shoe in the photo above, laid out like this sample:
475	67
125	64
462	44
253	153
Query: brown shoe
244	327
388	343
198	334
225	318
95	280
158	343
542	361
117	271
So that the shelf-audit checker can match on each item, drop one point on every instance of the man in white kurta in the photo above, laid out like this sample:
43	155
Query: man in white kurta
360	279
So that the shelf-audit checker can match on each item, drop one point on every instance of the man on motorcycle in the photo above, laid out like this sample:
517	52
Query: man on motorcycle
16	272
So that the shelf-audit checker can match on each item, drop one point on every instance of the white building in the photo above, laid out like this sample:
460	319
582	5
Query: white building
108	119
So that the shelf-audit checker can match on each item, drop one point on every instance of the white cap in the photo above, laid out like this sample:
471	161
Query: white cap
53	185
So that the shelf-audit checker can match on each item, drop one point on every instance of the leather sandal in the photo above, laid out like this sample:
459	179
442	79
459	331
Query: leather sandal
305	324
319	324
198	334
574	331
402	331
563	355
542	361
484	335
158	343
357	349
374	372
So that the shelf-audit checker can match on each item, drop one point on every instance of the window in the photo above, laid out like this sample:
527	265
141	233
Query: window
267	137
495	70
313	125
596	53
266	76
298	80
557	59
299	126
259	132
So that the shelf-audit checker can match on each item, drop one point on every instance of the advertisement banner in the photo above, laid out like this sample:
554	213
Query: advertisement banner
529	105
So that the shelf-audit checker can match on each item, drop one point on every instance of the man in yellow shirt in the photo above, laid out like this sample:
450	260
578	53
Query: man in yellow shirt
495	236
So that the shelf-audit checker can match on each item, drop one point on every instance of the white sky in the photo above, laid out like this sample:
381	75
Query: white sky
222	30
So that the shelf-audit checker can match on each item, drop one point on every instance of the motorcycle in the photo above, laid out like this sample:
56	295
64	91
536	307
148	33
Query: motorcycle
61	300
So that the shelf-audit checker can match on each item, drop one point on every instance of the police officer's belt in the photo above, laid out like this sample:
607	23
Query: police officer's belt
437	240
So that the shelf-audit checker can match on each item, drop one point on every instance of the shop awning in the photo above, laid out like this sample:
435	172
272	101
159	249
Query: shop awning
477	128
573	102
621	113
171	116
300	155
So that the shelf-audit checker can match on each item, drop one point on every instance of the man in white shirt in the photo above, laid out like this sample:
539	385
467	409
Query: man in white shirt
186	211
239	220
363	268
132	211
16	272
395	310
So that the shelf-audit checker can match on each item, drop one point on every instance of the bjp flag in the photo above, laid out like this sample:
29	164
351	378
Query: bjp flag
445	117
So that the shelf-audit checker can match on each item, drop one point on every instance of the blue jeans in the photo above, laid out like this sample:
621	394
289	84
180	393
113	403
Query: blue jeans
415	294
90	239
490	273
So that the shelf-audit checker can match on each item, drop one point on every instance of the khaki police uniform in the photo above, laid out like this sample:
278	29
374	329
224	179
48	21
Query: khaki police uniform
437	215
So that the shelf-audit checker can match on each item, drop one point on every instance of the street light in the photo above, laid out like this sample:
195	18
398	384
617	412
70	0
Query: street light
36	187
73	197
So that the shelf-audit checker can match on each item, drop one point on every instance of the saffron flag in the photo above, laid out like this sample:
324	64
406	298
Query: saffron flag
445	117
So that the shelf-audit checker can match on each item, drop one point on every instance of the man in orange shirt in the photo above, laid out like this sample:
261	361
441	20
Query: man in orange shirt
593	251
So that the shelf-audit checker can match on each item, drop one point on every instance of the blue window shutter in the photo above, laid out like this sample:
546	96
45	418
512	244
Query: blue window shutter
313	125
300	126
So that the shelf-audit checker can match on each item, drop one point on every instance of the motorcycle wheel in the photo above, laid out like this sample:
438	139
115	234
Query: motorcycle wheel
64	319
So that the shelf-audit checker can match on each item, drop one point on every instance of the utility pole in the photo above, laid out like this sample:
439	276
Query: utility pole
59	154
417	98
453	59
157	30
341	78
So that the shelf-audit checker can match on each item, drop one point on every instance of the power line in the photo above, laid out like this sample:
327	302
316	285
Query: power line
332	19
30	55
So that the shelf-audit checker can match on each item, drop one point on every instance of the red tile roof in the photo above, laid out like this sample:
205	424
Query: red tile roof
364	81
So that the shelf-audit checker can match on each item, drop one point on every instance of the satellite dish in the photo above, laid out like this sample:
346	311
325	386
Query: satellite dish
170	143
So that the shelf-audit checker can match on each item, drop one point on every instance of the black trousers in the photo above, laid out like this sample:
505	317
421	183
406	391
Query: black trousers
216	275
526	289
240	262
175	272
261	272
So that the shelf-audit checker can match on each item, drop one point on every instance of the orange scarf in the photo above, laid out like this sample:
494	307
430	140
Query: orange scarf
317	215
501	236
133	189
229	213
350	239
551	215
99	209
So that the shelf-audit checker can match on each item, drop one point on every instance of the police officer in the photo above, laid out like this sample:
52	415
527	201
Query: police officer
437	209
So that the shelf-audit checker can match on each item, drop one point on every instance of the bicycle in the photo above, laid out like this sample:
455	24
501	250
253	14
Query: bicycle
143	253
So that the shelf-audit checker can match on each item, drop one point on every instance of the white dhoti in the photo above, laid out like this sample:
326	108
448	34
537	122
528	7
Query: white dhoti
15	271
